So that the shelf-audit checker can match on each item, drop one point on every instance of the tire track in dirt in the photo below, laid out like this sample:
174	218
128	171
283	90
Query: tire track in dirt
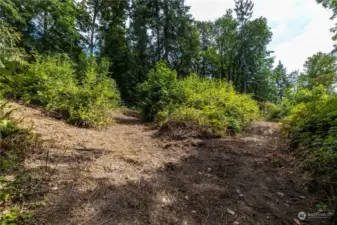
125	174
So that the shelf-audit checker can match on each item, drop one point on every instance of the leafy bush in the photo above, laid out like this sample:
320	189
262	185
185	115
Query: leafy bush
52	82
11	56
208	104
16	145
158	91
211	104
312	129
275	113
84	104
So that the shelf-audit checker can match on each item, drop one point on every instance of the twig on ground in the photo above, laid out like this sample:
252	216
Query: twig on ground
89	219
107	221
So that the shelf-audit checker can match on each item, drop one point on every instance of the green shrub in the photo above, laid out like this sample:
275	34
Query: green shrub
275	113
157	91
16	144
83	99
211	104
208	104
84	104
312	129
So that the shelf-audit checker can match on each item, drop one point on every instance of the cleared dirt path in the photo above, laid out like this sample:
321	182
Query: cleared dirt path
125	174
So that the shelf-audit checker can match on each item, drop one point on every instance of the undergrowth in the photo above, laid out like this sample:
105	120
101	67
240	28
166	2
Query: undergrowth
83	98
274	112
312	129
210	105
16	145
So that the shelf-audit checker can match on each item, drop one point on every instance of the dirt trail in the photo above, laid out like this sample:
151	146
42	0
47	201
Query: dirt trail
126	175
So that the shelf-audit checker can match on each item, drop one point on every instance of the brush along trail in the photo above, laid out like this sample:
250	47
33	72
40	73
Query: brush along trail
127	174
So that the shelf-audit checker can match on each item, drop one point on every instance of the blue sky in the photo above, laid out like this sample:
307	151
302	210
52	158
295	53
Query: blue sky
300	27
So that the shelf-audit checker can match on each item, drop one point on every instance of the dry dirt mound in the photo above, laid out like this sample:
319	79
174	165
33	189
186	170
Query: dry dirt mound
125	175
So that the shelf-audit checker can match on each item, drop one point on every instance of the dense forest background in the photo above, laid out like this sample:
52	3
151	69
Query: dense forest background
134	35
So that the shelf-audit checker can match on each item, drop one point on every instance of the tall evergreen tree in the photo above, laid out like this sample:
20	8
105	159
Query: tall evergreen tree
281	81
45	27
206	36
113	44
244	12
226	34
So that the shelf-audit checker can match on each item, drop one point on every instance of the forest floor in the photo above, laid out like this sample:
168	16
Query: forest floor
127	174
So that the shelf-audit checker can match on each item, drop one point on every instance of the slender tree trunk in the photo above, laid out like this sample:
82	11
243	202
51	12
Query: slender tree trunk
166	29
45	24
203	67
92	32
157	8
222	75
45	28
230	73
97	7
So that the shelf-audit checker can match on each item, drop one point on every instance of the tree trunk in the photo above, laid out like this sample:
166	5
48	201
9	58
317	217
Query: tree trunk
45	24
45	28
92	32
166	29
157	8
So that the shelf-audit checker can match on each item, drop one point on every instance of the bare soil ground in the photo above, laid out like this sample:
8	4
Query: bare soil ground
126	174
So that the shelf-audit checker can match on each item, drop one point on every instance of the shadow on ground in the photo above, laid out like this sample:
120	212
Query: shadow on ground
221	181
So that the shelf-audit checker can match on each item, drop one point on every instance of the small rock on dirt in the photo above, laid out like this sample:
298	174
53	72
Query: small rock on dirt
197	143
169	145
280	193
297	221
230	211
238	191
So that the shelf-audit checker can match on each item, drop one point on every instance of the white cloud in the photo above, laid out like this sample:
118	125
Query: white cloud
209	9
316	37
300	27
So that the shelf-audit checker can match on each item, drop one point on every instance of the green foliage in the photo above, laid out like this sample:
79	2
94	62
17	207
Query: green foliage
332	5
235	49
211	104
85	104
312	128
320	69
52	82
9	218
157	91
16	144
272	112
208	104
11	56
47	26
13	215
